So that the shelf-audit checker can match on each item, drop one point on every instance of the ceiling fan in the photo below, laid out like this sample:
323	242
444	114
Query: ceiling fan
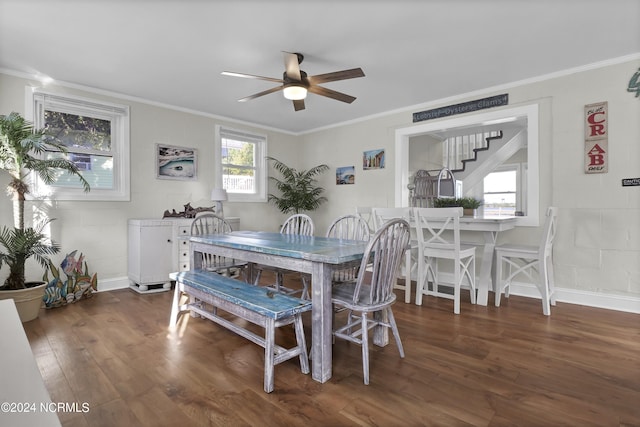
296	83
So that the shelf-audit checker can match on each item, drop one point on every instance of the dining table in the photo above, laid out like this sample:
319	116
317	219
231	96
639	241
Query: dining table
316	256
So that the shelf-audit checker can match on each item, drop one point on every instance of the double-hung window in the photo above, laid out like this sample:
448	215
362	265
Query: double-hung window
242	164
502	190
96	137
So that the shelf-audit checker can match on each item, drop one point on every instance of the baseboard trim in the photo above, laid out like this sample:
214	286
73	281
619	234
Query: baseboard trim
580	297
105	285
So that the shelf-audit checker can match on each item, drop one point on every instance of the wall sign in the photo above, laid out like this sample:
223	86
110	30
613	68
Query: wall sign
631	182
465	107
596	144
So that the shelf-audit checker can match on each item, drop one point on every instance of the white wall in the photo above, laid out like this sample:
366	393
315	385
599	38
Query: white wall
598	246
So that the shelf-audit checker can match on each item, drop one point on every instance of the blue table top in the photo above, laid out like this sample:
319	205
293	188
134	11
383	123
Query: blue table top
317	249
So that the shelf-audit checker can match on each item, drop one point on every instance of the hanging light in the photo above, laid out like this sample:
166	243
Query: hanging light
295	92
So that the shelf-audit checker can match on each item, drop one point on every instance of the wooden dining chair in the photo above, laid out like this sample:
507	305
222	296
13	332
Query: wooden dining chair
372	293
380	217
299	224
438	233
533	262
348	227
213	224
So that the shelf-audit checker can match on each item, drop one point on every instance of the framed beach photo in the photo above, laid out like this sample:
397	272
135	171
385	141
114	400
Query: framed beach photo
373	159
345	175
176	162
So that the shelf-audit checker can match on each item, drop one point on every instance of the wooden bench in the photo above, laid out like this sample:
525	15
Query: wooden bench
255	304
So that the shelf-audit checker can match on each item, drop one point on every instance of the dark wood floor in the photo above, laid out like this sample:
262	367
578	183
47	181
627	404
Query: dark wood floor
486	367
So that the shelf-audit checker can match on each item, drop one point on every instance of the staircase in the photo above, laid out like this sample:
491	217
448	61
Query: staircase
477	155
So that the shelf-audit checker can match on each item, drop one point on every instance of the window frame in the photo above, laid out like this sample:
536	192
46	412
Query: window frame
261	171
521	190
119	117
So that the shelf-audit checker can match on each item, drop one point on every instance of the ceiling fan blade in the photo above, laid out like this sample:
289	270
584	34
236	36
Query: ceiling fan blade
251	76
266	92
337	75
339	96
292	66
298	104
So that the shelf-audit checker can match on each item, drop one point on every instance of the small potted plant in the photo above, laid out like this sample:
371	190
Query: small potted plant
21	149
469	205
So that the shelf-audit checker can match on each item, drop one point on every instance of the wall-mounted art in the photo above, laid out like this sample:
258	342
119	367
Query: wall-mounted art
373	159
346	175
176	162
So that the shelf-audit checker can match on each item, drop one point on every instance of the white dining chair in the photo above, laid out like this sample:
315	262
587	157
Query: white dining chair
214	224
438	233
348	227
364	212
380	216
299	224
372	293
533	262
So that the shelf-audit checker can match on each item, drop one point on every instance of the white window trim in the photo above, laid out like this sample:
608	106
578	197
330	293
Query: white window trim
403	135
521	189
261	165
120	140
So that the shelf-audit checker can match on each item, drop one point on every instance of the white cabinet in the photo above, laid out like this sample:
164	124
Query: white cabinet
157	247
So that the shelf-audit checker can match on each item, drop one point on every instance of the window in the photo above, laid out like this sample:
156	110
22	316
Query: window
242	164
501	196
96	136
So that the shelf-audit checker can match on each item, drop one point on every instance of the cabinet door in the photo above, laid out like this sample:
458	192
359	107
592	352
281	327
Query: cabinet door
156	253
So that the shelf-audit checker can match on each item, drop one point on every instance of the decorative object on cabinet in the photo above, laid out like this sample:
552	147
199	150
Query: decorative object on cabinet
176	162
158	247
219	195
77	285
188	212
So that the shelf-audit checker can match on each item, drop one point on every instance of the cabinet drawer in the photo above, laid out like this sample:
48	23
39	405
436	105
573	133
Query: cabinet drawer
183	245
184	230
184	265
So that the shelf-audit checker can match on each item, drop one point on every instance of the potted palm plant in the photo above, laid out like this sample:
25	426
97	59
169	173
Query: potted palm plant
298	189
21	153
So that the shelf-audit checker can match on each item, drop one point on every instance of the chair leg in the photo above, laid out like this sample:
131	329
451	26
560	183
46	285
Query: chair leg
544	287
420	280
365	348
394	329
407	277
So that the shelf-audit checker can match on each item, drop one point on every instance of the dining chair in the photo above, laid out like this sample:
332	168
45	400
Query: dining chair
348	227
299	224
382	215
372	293
364	212
530	261
213	224
438	233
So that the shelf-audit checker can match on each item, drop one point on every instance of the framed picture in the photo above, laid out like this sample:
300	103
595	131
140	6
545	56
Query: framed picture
176	162
373	159
345	175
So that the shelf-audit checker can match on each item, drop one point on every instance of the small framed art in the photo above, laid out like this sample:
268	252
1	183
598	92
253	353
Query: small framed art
176	162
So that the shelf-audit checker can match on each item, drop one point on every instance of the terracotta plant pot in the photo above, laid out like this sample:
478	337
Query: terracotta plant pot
28	301
470	212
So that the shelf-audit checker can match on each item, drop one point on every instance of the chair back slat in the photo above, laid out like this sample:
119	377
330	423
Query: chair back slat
349	227
548	233
382	215
382	259
300	224
209	224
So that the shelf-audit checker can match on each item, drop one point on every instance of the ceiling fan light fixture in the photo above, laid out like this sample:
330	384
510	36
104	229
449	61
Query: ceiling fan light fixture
295	92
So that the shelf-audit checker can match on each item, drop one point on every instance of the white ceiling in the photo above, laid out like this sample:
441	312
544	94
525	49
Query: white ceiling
412	52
